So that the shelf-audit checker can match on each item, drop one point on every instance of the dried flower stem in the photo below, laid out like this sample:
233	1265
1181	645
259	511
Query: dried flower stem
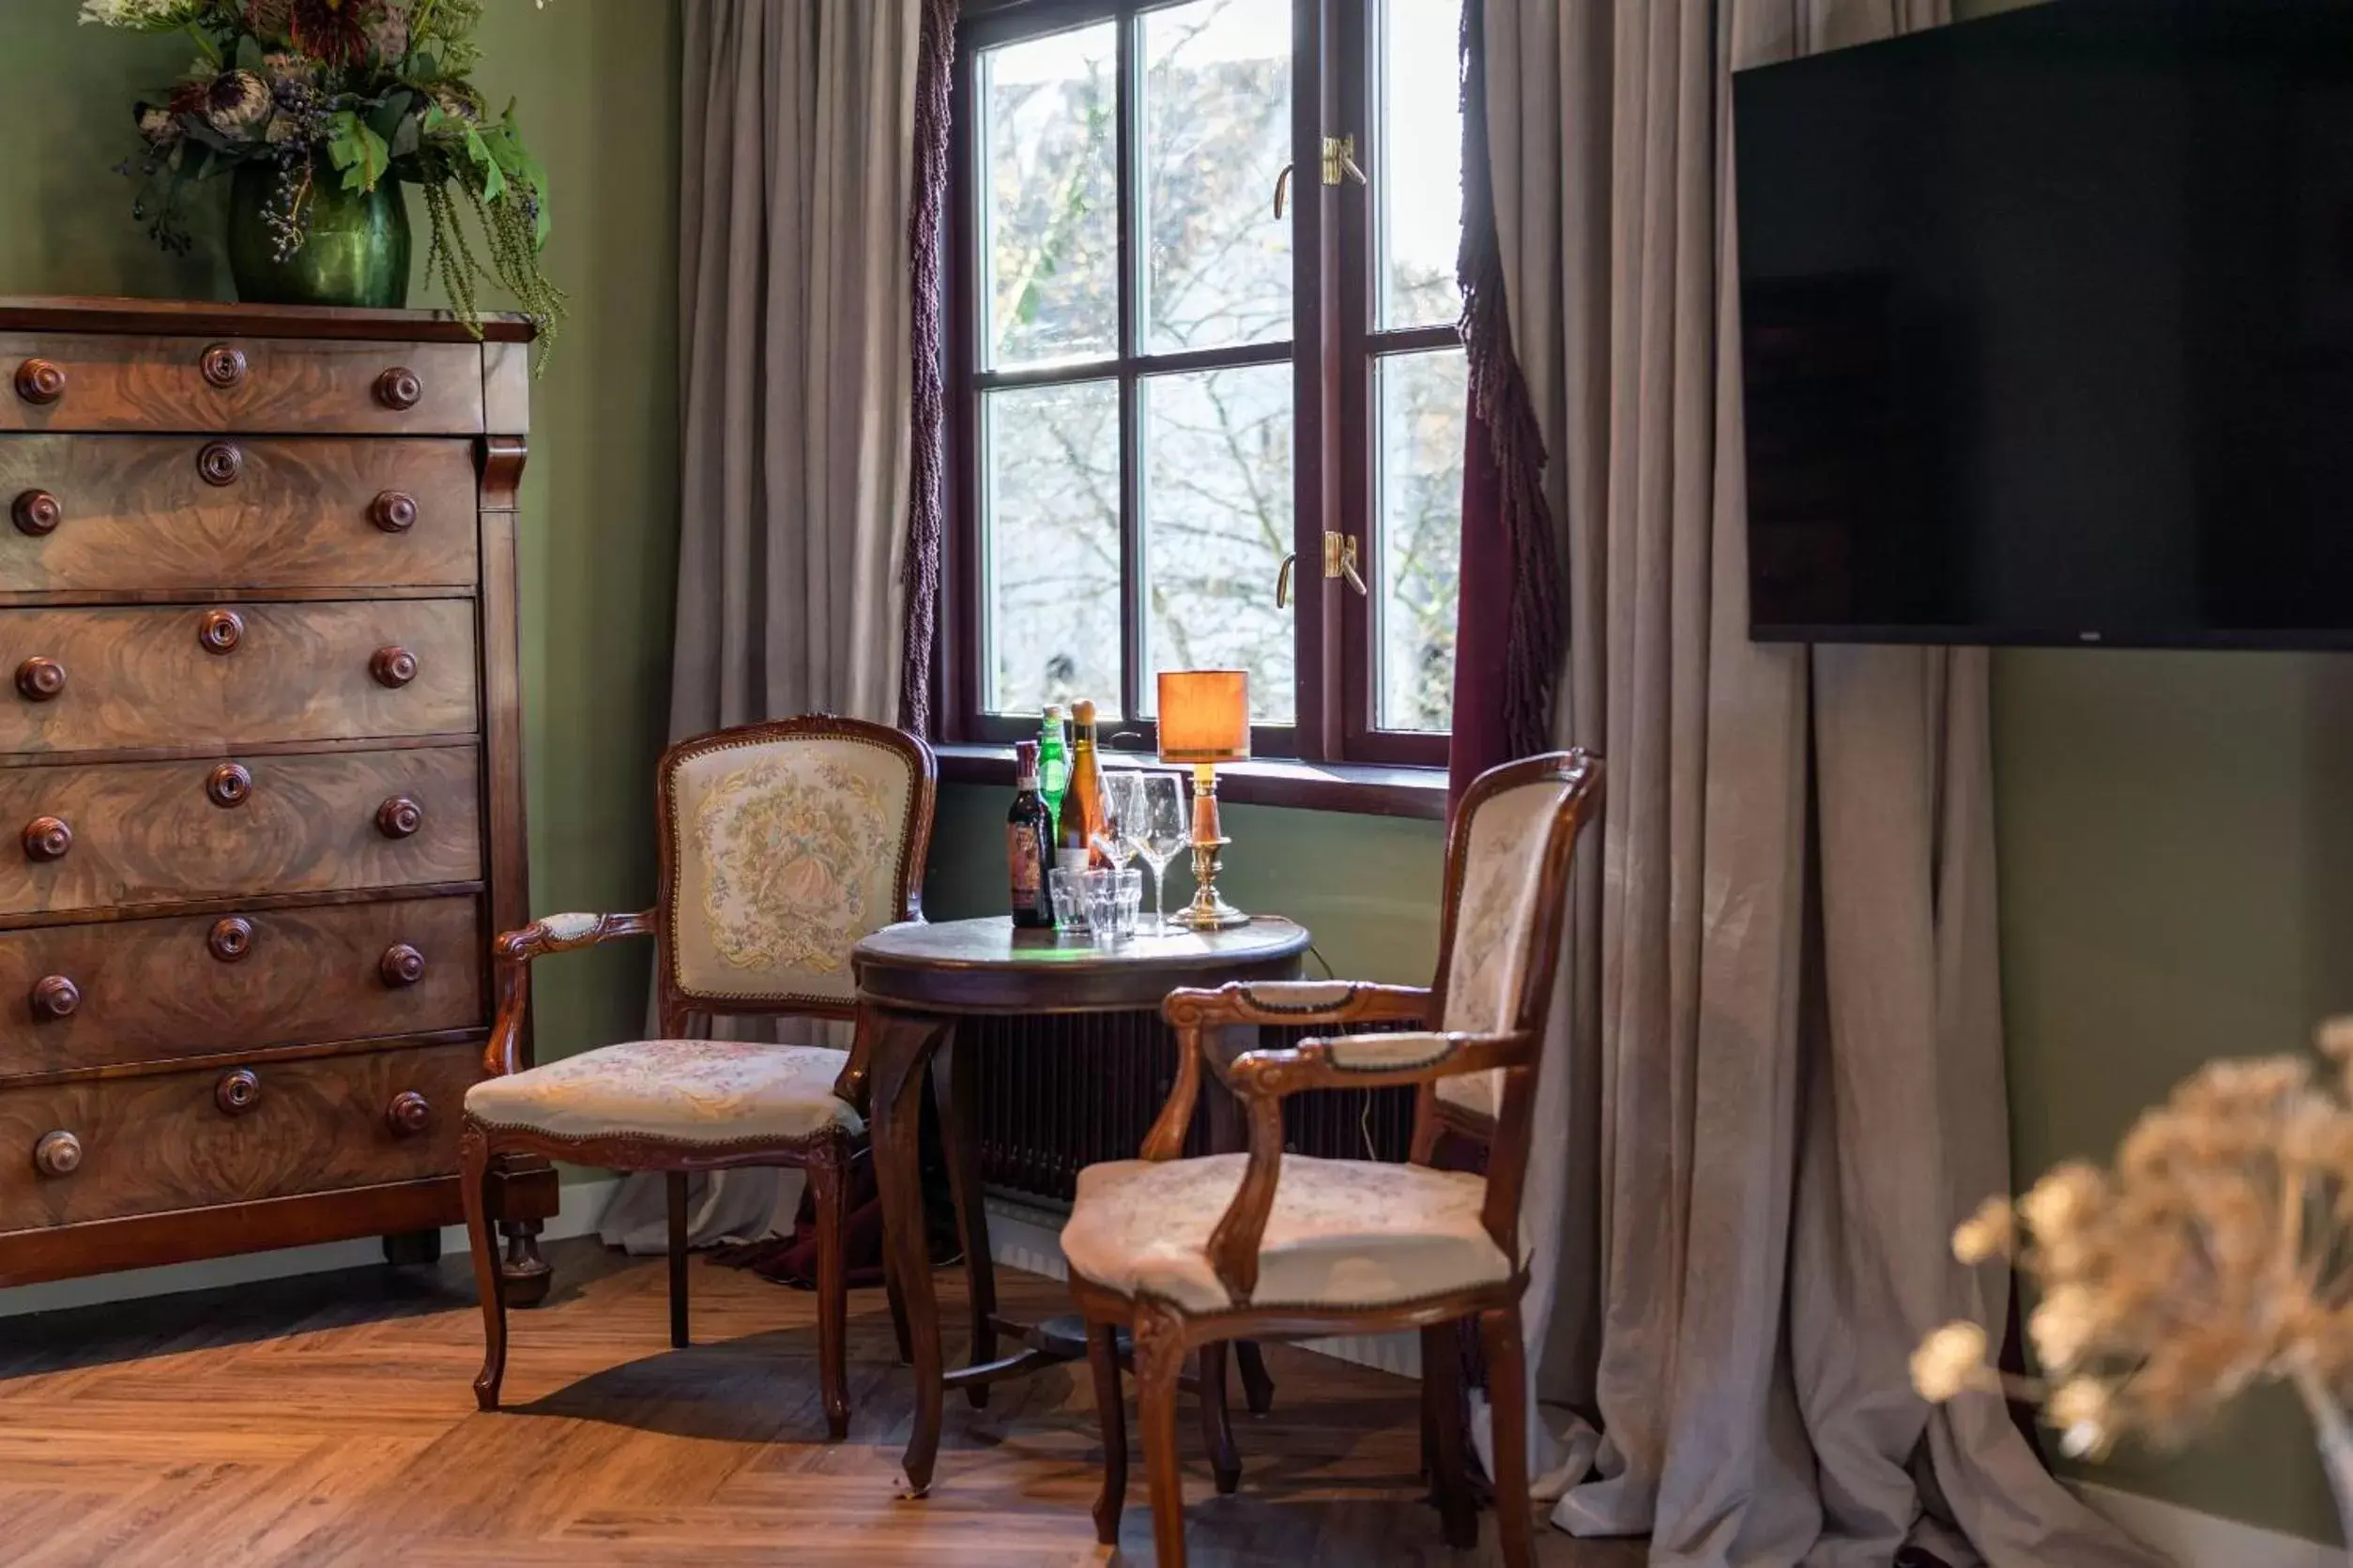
2336	1436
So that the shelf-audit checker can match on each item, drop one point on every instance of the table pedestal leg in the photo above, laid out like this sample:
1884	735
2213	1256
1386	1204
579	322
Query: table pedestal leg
954	1093
897	1046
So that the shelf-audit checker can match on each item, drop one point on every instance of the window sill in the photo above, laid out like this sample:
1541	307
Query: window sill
1325	786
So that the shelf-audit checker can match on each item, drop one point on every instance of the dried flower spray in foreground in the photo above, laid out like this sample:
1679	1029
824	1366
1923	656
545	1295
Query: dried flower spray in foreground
2216	1255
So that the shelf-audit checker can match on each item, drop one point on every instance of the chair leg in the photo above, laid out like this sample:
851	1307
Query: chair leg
828	1196
1110	1408
1507	1392
1159	1367
677	1260
1442	1435
1225	1460
474	1181
1258	1389
953	1093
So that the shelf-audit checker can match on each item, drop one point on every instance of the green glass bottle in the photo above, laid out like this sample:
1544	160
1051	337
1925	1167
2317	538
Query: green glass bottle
1053	760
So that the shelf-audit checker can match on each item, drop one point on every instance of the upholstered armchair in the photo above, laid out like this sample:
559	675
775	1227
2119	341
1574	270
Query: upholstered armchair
781	845
1191	1253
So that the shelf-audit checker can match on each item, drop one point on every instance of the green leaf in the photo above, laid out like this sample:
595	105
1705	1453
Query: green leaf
423	65
354	148
210	50
406	138
494	178
249	53
385	118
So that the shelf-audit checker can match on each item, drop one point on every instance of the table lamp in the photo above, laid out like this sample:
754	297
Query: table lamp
1206	719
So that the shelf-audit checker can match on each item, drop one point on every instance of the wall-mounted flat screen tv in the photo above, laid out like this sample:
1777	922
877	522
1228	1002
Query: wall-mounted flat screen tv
2047	329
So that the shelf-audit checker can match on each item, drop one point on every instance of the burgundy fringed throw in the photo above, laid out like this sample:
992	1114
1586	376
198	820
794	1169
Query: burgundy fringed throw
928	448
1508	634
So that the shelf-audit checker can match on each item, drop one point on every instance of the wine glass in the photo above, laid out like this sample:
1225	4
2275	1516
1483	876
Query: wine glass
1117	838
1160	831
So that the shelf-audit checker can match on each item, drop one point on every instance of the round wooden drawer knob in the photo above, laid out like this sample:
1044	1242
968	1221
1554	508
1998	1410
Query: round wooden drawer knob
36	512
229	786
230	938
39	679
57	1154
408	1115
399	818
47	837
238	1092
41	381
393	510
220	631
393	666
220	462
55	997
400	964
223	366
397	389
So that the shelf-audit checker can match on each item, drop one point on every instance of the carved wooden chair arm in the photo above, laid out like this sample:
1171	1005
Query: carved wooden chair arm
1194	1013
1373	1062
1296	1002
514	951
1264	1078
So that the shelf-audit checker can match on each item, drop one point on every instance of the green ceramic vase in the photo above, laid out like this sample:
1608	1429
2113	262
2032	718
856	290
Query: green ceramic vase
357	252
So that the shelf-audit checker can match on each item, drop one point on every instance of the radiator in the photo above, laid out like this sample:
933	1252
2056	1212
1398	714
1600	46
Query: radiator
1055	1094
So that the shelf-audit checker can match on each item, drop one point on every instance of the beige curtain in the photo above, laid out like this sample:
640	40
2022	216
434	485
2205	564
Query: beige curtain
795	316
1778	1073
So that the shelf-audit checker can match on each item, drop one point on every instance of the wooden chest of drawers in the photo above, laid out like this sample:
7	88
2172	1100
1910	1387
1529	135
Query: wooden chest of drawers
260	797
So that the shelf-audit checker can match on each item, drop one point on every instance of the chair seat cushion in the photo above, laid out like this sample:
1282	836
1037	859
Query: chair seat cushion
682	1091
1343	1233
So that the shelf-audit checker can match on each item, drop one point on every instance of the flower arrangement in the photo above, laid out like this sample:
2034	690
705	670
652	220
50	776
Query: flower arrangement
359	93
2218	1254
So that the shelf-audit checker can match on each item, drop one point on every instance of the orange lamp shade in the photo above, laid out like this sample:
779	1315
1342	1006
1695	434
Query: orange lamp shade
1204	715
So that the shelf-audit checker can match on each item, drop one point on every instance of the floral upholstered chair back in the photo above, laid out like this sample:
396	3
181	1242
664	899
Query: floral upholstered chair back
1495	967
782	845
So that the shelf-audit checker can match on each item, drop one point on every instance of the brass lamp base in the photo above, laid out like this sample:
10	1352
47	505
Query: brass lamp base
1209	911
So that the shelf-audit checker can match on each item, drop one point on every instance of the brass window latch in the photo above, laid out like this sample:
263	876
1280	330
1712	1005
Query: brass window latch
1339	162
1339	561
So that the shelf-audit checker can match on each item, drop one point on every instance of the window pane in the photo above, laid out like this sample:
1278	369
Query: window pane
1217	131
1049	218
1417	181
1050	546
1217	522
1420	402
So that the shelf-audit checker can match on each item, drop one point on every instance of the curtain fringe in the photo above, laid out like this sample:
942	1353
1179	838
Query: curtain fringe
927	446
1499	394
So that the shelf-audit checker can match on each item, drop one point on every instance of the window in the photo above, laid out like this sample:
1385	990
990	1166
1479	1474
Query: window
1161	392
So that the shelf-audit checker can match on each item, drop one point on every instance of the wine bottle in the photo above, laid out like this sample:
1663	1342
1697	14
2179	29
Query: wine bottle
1053	759
1081	815
1029	838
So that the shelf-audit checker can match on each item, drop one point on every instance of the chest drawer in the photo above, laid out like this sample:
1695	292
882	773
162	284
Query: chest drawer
70	382
151	990
93	835
139	513
91	679
99	1151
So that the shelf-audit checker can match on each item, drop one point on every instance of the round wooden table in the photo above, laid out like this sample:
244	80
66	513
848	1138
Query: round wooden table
914	982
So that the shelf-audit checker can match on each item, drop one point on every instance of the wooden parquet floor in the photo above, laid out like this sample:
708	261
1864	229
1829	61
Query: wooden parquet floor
328	1421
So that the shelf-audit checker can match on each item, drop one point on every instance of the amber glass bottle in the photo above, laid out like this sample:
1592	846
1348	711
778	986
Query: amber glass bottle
1081	816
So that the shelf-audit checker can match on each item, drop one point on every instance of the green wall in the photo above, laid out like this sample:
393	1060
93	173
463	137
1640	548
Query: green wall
597	81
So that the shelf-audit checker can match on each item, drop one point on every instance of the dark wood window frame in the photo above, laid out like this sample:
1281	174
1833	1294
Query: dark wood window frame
1334	751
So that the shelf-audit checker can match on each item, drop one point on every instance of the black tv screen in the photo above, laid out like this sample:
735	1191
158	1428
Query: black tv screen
2047	329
